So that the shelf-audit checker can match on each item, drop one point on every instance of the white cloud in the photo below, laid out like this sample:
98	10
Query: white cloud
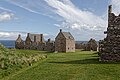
9	35
72	17
80	22
116	6
76	18
57	25
4	35
47	36
6	16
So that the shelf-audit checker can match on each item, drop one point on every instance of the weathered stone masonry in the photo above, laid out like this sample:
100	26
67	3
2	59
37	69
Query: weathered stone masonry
91	45
109	48
64	42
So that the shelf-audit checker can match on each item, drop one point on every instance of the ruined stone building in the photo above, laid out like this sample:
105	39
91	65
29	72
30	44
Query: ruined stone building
32	41
64	42
79	46
91	45
50	46
19	43
109	48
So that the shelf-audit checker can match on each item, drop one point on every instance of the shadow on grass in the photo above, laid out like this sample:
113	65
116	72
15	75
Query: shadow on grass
86	61
96	53
95	56
49	52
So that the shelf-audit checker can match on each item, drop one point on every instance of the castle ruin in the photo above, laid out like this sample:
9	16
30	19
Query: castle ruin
64	42
109	48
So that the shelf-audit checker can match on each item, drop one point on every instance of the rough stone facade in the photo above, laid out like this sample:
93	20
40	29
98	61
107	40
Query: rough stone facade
19	43
50	46
28	42
109	48
64	42
41	46
91	45
79	46
34	42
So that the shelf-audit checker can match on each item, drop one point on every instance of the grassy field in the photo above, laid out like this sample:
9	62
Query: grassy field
81	65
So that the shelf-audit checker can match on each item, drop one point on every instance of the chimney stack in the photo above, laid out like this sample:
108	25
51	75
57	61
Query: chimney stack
60	30
41	39
49	40
34	38
19	35
28	34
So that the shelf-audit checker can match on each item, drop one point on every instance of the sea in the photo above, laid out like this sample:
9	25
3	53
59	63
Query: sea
11	43
8	43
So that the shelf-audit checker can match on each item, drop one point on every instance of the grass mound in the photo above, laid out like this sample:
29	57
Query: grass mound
10	61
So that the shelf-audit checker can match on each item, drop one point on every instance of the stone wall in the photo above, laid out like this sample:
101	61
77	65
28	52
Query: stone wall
79	46
109	48
91	45
60	44
70	45
64	42
41	46
19	45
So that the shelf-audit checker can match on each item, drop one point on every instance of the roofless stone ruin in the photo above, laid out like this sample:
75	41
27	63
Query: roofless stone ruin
109	48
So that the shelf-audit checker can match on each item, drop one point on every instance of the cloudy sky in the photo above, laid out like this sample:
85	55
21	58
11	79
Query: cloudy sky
85	19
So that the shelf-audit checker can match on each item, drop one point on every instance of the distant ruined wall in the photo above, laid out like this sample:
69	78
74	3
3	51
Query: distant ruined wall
79	46
19	45
63	43
41	46
91	45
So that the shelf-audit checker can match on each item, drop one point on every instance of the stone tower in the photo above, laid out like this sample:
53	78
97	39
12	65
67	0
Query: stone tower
109	48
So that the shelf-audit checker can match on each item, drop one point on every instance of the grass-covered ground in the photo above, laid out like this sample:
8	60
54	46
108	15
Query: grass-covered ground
12	61
81	65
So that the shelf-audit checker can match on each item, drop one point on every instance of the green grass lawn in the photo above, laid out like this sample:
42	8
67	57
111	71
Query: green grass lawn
81	65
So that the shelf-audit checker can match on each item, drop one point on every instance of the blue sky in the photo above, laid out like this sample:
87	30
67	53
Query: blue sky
85	19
